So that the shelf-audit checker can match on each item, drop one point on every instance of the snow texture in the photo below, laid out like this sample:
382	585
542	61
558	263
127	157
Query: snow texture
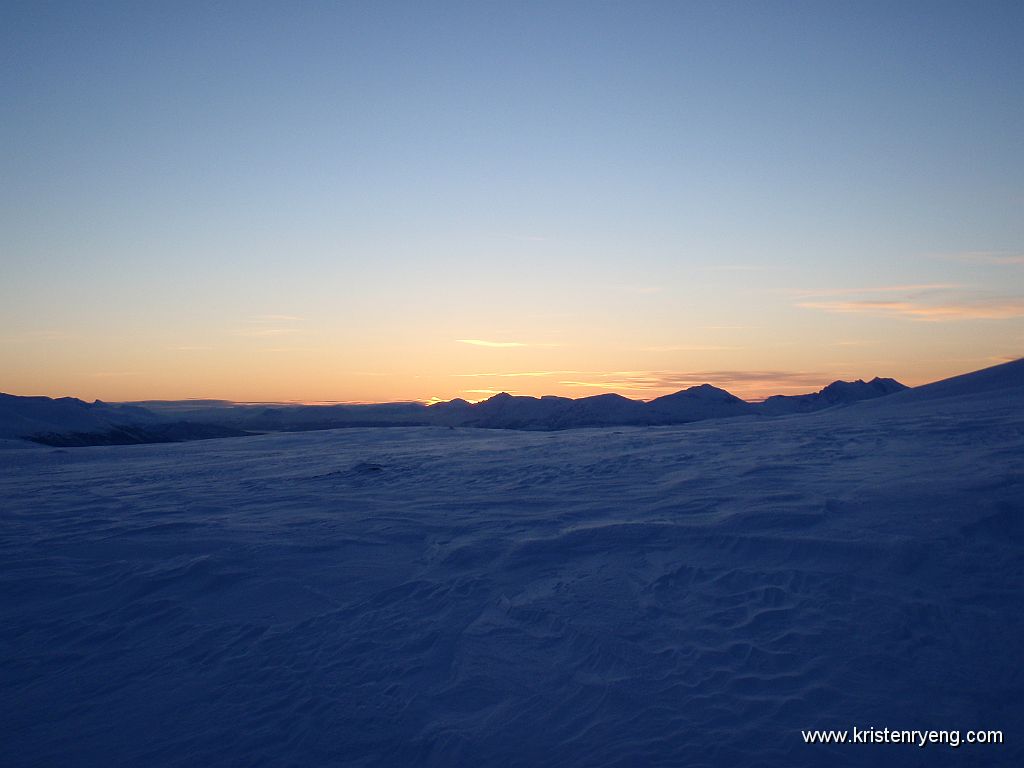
687	595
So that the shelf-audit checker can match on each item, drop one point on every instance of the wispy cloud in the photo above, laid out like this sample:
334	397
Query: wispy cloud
988	309
264	332
515	374
645	384
277	319
855	343
30	337
912	288
268	326
502	344
656	382
744	383
932	302
999	258
688	348
51	335
526	238
483	343
643	290
741	267
611	385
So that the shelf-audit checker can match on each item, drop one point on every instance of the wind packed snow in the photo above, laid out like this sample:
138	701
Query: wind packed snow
673	596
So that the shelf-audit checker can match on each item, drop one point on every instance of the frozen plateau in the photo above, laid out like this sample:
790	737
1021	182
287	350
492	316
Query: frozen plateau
691	594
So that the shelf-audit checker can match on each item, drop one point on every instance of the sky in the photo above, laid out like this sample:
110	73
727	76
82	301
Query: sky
379	201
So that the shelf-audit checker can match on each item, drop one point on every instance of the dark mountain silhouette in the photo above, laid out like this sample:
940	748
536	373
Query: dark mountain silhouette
836	393
505	411
69	421
21	416
603	411
696	404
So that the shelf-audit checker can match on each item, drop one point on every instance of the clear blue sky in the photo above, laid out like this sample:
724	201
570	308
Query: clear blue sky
334	200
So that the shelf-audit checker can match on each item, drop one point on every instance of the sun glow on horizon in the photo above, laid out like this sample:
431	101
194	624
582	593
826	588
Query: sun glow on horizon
342	207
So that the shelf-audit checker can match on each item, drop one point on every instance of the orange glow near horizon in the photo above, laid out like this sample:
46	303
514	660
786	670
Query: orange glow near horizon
522	200
311	381
754	337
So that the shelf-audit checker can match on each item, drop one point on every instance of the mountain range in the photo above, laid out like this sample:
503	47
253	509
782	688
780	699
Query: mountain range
68	421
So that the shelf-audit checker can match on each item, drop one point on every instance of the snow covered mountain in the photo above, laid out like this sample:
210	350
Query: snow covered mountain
696	404
836	393
68	421
21	416
505	411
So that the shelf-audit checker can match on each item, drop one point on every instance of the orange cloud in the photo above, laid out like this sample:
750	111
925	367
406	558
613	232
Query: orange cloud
482	343
913	288
917	310
1000	258
513	375
265	332
501	344
746	384
688	348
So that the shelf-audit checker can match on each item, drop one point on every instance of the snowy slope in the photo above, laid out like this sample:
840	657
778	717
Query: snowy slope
836	393
999	378
33	415
676	596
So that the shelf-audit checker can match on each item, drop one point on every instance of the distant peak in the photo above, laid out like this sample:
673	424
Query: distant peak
708	390
849	391
703	393
878	381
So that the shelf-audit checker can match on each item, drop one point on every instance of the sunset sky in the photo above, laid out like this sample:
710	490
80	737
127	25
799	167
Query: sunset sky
402	201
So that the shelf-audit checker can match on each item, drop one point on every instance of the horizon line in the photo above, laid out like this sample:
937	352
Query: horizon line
434	400
214	401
